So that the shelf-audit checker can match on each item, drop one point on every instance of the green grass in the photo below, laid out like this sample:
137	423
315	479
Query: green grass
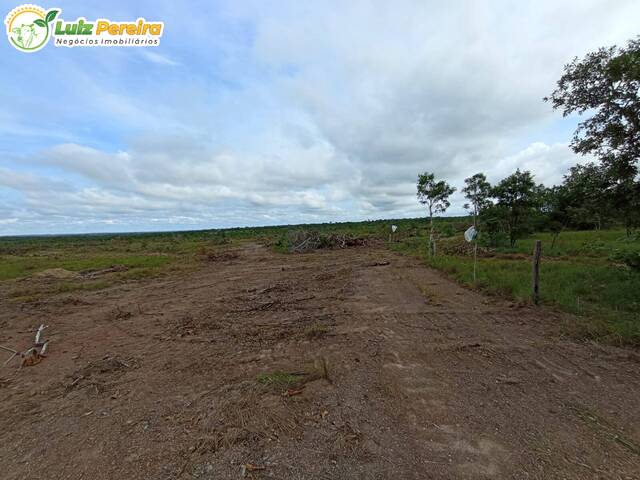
316	330
12	266
278	379
575	277
578	243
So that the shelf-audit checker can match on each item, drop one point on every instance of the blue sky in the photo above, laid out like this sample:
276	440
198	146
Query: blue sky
258	113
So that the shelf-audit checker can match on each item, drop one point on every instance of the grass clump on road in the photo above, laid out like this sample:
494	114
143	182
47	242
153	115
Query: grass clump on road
316	330
278	379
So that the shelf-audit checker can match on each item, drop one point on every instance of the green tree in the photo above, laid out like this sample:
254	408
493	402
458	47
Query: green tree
554	208
518	199
478	191
606	84
587	195
435	195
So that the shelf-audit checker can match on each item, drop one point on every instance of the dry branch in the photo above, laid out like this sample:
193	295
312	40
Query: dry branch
32	355
301	241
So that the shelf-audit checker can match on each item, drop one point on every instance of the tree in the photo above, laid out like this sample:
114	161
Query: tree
587	195
607	83
624	198
554	207
435	195
518	197
478	191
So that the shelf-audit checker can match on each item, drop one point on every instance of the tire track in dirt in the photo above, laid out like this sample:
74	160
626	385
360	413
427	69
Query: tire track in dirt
496	382
426	379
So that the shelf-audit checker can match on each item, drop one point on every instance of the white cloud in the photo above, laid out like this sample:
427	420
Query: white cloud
308	112
157	58
548	162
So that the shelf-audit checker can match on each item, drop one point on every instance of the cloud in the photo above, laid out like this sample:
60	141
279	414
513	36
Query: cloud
549	163
292	112
157	58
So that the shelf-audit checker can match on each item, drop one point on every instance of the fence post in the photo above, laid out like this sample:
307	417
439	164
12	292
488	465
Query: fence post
537	252
475	259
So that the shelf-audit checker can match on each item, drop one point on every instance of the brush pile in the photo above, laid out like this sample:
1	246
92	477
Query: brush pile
300	241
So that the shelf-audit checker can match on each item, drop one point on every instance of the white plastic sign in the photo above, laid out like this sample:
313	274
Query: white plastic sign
470	234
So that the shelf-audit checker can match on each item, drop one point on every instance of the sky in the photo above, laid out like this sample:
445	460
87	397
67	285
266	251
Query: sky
263	113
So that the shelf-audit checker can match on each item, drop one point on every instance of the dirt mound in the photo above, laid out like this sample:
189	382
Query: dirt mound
57	273
93	273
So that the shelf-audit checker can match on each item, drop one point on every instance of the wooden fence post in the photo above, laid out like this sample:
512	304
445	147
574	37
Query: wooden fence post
537	252
475	259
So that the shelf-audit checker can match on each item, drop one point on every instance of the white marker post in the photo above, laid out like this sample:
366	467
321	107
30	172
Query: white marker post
393	230
471	236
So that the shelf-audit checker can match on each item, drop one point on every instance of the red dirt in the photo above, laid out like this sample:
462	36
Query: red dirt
158	379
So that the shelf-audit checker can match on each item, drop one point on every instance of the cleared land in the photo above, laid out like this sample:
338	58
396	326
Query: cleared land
353	363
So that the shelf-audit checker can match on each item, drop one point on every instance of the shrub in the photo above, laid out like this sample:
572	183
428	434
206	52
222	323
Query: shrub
629	258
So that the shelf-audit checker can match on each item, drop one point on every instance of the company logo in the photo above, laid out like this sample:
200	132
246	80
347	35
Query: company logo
30	27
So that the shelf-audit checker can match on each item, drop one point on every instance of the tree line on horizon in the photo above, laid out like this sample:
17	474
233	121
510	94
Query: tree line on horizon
595	195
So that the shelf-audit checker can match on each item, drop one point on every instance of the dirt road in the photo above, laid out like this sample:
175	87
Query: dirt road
174	378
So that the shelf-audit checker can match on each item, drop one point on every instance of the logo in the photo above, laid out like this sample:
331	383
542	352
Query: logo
30	27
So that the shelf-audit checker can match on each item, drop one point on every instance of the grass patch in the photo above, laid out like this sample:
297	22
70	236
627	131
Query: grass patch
316	330
75	286
278	379
589	243
604	295
22	266
282	381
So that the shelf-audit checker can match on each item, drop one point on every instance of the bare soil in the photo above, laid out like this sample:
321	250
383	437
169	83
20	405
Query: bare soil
396	373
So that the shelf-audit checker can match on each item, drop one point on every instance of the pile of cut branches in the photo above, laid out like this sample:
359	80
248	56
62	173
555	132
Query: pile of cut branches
300	241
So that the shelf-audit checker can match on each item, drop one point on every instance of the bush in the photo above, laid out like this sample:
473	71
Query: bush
629	258
446	230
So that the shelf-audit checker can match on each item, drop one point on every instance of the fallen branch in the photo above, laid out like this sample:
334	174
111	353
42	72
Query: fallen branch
32	355
379	264
10	358
10	350
293	391
249	467
39	334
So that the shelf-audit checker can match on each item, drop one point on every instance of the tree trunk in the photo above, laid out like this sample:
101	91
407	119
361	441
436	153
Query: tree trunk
556	235
431	245
537	252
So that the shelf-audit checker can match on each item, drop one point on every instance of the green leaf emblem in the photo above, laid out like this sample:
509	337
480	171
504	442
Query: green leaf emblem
51	15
